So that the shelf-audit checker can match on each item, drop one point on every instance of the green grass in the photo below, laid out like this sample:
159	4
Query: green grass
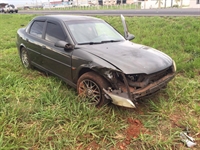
40	112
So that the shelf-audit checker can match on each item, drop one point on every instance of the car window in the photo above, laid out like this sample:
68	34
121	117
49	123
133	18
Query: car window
37	28
93	31
54	33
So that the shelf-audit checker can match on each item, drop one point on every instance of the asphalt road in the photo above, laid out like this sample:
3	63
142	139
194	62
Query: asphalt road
137	12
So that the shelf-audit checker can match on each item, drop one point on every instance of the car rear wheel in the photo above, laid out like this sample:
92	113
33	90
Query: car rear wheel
25	58
90	87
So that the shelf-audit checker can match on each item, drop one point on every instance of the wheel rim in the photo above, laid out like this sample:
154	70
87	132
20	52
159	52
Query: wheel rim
90	90
24	56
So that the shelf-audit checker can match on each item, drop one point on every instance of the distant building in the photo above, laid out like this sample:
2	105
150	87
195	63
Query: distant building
59	2
3	3
109	2
73	2
194	3
90	2
131	1
148	4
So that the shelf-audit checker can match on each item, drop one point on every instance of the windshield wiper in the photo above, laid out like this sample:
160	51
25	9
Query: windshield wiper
90	43
106	41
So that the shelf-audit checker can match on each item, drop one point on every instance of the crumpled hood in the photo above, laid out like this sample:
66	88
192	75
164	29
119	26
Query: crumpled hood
129	57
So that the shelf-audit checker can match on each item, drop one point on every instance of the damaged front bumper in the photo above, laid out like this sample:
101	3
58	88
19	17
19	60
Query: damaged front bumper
121	99
127	98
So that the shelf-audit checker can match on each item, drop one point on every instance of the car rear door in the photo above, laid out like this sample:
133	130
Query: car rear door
55	59
33	41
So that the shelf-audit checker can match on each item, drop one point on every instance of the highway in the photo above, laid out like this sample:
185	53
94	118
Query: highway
134	12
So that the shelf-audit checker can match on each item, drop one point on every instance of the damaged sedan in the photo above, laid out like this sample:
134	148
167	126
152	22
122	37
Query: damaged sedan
91	56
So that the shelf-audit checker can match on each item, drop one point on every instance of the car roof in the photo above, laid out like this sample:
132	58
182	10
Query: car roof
67	17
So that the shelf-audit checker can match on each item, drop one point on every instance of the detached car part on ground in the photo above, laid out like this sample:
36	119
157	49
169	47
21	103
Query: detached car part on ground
90	55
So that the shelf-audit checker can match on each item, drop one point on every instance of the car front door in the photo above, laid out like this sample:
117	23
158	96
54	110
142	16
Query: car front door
55	59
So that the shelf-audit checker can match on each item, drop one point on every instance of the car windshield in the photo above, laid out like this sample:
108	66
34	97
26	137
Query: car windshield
93	32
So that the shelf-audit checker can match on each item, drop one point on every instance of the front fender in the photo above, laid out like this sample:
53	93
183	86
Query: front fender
83	62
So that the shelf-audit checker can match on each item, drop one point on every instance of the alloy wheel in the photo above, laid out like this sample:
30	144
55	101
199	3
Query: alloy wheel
24	57
90	90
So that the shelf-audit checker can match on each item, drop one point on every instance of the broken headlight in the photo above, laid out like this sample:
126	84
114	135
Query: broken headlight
109	74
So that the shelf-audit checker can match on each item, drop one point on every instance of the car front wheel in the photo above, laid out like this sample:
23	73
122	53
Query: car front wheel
90	87
25	58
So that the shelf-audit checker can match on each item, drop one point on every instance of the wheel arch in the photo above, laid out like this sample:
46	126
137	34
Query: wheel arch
20	50
85	69
26	60
97	83
21	46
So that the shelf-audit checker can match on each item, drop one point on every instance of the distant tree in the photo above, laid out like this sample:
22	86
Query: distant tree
181	2
159	2
177	1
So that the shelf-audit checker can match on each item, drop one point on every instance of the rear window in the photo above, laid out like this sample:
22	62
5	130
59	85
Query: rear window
37	28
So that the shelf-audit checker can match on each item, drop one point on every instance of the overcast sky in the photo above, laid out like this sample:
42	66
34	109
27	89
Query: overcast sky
23	2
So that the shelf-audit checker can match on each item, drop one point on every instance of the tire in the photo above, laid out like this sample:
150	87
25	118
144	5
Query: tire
25	58
94	90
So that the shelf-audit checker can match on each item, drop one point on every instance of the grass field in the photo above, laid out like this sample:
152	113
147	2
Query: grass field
40	112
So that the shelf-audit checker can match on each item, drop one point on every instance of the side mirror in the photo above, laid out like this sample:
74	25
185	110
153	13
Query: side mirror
127	35
130	36
64	44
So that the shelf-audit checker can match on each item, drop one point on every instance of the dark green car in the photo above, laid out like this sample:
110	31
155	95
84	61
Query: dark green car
90	55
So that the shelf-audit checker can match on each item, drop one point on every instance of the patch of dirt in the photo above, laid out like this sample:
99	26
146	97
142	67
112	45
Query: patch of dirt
135	127
93	146
197	138
175	120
